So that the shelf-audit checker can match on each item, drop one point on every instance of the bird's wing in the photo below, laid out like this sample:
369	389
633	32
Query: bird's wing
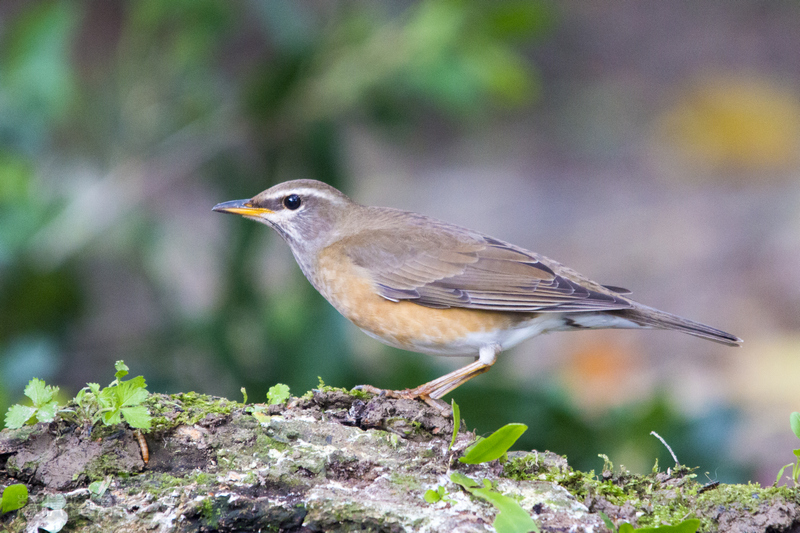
448	266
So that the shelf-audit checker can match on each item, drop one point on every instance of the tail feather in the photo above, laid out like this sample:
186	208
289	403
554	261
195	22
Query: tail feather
653	318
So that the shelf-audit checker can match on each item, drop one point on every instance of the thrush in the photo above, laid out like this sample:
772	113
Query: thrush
421	284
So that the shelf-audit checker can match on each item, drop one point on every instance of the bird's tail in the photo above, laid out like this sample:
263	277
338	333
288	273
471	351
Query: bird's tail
653	318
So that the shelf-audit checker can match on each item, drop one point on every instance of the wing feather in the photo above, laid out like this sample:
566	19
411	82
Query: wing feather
448	266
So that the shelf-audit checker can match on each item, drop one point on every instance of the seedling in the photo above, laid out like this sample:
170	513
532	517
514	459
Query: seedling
495	445
456	423
438	495
794	422
278	394
44	407
14	497
511	518
121	399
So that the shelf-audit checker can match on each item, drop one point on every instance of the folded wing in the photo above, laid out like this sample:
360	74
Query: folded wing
454	267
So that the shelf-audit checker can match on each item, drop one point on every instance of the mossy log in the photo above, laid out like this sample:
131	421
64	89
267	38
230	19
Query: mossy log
335	461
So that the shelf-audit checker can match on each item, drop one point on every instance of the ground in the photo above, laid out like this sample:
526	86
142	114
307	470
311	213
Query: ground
336	461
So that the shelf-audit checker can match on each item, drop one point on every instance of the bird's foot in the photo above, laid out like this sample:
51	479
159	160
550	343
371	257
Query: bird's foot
410	394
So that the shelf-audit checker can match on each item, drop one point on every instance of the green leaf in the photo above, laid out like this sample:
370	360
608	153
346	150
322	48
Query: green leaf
126	393
431	496
456	423
244	393
607	521
14	497
17	415
133	392
780	472
495	445
796	453
112	417
122	369
47	412
39	393
794	421
277	394
625	528
137	416
511	518
460	479
98	488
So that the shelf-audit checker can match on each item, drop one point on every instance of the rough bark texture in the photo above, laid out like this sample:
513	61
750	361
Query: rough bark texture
331	461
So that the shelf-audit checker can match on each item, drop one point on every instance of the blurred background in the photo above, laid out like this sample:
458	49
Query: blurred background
653	145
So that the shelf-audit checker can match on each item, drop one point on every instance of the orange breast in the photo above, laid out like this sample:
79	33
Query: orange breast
403	324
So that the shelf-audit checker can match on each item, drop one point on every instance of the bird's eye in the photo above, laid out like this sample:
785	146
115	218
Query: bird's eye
292	202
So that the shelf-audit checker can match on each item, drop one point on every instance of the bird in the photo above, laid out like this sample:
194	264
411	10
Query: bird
424	285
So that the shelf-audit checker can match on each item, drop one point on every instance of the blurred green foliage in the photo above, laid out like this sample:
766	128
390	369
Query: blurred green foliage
112	112
236	96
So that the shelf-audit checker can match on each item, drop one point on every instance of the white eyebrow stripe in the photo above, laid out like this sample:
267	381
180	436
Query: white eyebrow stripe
306	191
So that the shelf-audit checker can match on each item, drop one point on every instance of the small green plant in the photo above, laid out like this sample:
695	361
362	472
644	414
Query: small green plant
98	488
278	394
121	399
794	422
44	407
511	518
495	445
456	423
14	497
438	495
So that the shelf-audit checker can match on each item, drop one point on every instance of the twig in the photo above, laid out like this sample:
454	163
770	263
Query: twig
656	435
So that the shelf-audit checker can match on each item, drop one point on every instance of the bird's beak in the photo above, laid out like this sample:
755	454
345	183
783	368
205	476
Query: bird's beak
241	207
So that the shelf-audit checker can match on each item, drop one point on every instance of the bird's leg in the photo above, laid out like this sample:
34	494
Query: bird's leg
433	390
437	388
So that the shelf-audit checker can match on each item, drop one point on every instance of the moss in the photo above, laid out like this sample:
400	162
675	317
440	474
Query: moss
160	484
186	408
658	498
209	512
533	467
741	497
265	443
428	453
103	465
20	471
355	393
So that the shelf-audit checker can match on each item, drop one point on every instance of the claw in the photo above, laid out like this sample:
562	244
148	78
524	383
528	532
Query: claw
409	394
